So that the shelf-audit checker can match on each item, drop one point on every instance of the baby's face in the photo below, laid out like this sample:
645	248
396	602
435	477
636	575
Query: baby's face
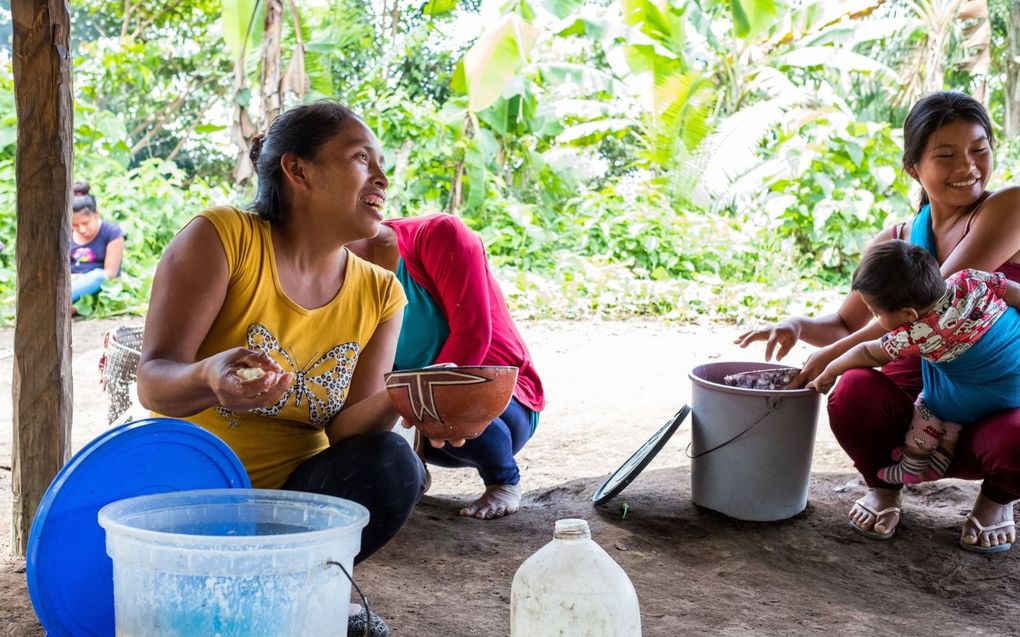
890	319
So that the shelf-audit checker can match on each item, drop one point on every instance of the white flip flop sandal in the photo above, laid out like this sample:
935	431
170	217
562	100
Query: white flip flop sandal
998	548
872	534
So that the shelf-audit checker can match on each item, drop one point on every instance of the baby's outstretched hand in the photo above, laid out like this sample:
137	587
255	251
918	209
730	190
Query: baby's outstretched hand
823	383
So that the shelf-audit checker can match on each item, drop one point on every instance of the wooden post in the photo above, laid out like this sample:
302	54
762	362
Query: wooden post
42	333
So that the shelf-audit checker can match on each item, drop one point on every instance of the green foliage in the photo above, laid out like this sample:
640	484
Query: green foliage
723	159
147	79
751	17
848	190
241	25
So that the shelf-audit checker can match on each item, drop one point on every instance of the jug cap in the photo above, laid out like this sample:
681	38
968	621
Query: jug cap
571	529
70	576
619	479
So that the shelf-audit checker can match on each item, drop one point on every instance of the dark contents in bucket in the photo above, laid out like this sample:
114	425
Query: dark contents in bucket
769	379
234	528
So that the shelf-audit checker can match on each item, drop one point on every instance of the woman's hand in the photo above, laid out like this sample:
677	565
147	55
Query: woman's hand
783	335
236	393
438	443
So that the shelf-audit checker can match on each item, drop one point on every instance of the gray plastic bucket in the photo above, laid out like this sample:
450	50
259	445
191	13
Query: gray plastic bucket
751	448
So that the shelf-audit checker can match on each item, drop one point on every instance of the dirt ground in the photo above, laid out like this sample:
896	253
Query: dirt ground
610	386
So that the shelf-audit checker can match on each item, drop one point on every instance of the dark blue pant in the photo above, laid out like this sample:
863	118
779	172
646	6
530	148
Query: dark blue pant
378	470
492	453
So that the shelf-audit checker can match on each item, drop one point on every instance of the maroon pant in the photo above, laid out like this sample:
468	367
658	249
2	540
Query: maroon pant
870	412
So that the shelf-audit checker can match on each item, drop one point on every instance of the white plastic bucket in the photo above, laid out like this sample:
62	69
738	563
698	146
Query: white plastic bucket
232	563
751	448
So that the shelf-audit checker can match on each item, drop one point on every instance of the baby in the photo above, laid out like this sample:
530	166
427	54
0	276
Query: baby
971	369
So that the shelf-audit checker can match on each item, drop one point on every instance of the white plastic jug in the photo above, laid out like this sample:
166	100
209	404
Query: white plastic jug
571	587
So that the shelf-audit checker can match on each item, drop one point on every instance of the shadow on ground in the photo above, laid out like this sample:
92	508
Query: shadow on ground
695	571
699	572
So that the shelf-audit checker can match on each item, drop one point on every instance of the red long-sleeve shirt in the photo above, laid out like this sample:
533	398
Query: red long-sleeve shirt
448	261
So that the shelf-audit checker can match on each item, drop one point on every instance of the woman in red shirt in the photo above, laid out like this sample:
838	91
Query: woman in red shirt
456	314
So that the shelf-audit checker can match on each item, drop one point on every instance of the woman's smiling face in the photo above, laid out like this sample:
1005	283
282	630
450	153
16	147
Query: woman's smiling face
348	181
956	164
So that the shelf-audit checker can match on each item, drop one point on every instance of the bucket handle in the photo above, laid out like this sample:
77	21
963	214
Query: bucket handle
774	402
364	600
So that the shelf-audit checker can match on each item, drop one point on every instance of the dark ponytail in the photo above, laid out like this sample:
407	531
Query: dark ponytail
300	131
256	149
931	113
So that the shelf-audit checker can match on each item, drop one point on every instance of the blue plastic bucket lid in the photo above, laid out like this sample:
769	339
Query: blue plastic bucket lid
70	576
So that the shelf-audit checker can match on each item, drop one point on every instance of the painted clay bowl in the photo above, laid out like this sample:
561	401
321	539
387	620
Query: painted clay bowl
451	402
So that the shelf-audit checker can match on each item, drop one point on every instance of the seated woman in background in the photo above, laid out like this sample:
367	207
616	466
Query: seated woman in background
97	246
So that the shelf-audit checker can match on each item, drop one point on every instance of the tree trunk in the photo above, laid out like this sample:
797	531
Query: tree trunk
1013	72
270	80
457	186
933	73
242	128
939	17
42	333
394	23
977	44
456	189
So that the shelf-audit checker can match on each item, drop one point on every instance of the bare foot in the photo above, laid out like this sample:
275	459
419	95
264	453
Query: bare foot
877	500
989	515
497	501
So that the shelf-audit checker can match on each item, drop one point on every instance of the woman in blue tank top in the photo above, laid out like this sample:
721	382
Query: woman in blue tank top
948	139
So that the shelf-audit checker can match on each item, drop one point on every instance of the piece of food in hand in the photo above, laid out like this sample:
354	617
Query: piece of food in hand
250	373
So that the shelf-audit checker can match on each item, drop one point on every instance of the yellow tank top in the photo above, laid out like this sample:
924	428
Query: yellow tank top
321	346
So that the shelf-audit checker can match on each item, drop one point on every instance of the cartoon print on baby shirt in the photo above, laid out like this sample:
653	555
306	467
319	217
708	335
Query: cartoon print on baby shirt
918	334
950	318
925	337
320	384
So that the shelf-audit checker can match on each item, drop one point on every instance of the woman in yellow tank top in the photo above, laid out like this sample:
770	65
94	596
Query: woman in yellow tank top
265	330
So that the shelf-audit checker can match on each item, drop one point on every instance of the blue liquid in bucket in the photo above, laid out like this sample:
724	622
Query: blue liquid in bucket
232	563
194	606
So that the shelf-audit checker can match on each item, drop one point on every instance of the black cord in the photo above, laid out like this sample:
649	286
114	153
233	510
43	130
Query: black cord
364	600
772	407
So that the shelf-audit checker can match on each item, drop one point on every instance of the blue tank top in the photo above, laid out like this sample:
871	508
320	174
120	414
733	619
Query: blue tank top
424	331
984	379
